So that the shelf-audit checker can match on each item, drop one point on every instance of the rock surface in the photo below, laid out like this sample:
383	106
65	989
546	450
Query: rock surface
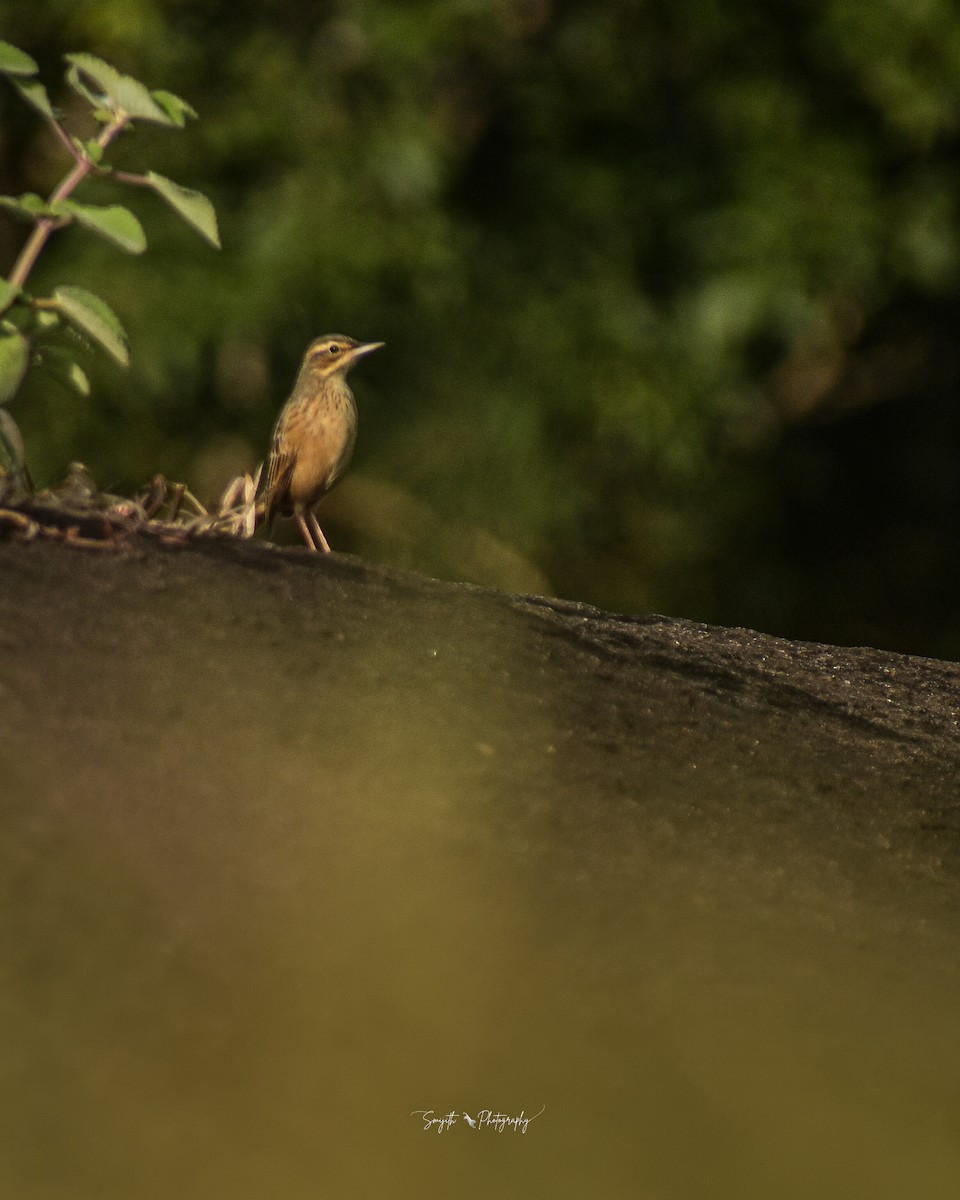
293	848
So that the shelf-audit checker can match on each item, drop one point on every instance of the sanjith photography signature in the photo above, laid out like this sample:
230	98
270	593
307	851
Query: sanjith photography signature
486	1119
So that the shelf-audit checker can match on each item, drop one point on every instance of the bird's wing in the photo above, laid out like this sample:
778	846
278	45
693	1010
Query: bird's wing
276	477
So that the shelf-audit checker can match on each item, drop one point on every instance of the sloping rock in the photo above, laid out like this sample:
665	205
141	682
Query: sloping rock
293	849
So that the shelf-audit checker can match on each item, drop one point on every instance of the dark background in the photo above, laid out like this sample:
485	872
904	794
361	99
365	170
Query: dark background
669	289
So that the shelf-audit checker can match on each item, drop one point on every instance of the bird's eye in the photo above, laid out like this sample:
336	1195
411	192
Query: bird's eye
333	348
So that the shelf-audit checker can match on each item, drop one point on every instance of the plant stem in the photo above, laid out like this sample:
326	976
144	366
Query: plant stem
83	167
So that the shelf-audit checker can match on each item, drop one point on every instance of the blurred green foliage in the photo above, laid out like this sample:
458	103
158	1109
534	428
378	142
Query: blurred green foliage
669	288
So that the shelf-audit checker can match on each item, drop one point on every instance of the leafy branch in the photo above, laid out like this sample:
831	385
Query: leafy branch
32	328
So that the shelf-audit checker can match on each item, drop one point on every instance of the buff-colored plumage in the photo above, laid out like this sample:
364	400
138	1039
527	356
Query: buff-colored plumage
314	436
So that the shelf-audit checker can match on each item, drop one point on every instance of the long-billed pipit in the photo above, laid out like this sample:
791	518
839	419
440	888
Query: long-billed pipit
314	436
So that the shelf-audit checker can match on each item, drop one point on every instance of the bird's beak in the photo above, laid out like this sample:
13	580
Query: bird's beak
354	355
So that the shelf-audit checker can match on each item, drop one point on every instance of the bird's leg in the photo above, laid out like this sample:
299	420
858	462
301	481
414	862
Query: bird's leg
305	528
324	545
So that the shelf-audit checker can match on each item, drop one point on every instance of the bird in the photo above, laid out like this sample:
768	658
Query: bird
313	438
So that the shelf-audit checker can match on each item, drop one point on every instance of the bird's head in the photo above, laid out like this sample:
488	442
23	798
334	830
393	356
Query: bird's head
335	354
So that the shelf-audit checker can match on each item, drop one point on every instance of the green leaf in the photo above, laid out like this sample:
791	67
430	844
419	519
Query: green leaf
15	62
20	317
75	79
192	206
126	94
113	222
176	108
28	207
91	148
33	91
28	202
8	294
63	366
14	476
31	320
14	359
94	317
